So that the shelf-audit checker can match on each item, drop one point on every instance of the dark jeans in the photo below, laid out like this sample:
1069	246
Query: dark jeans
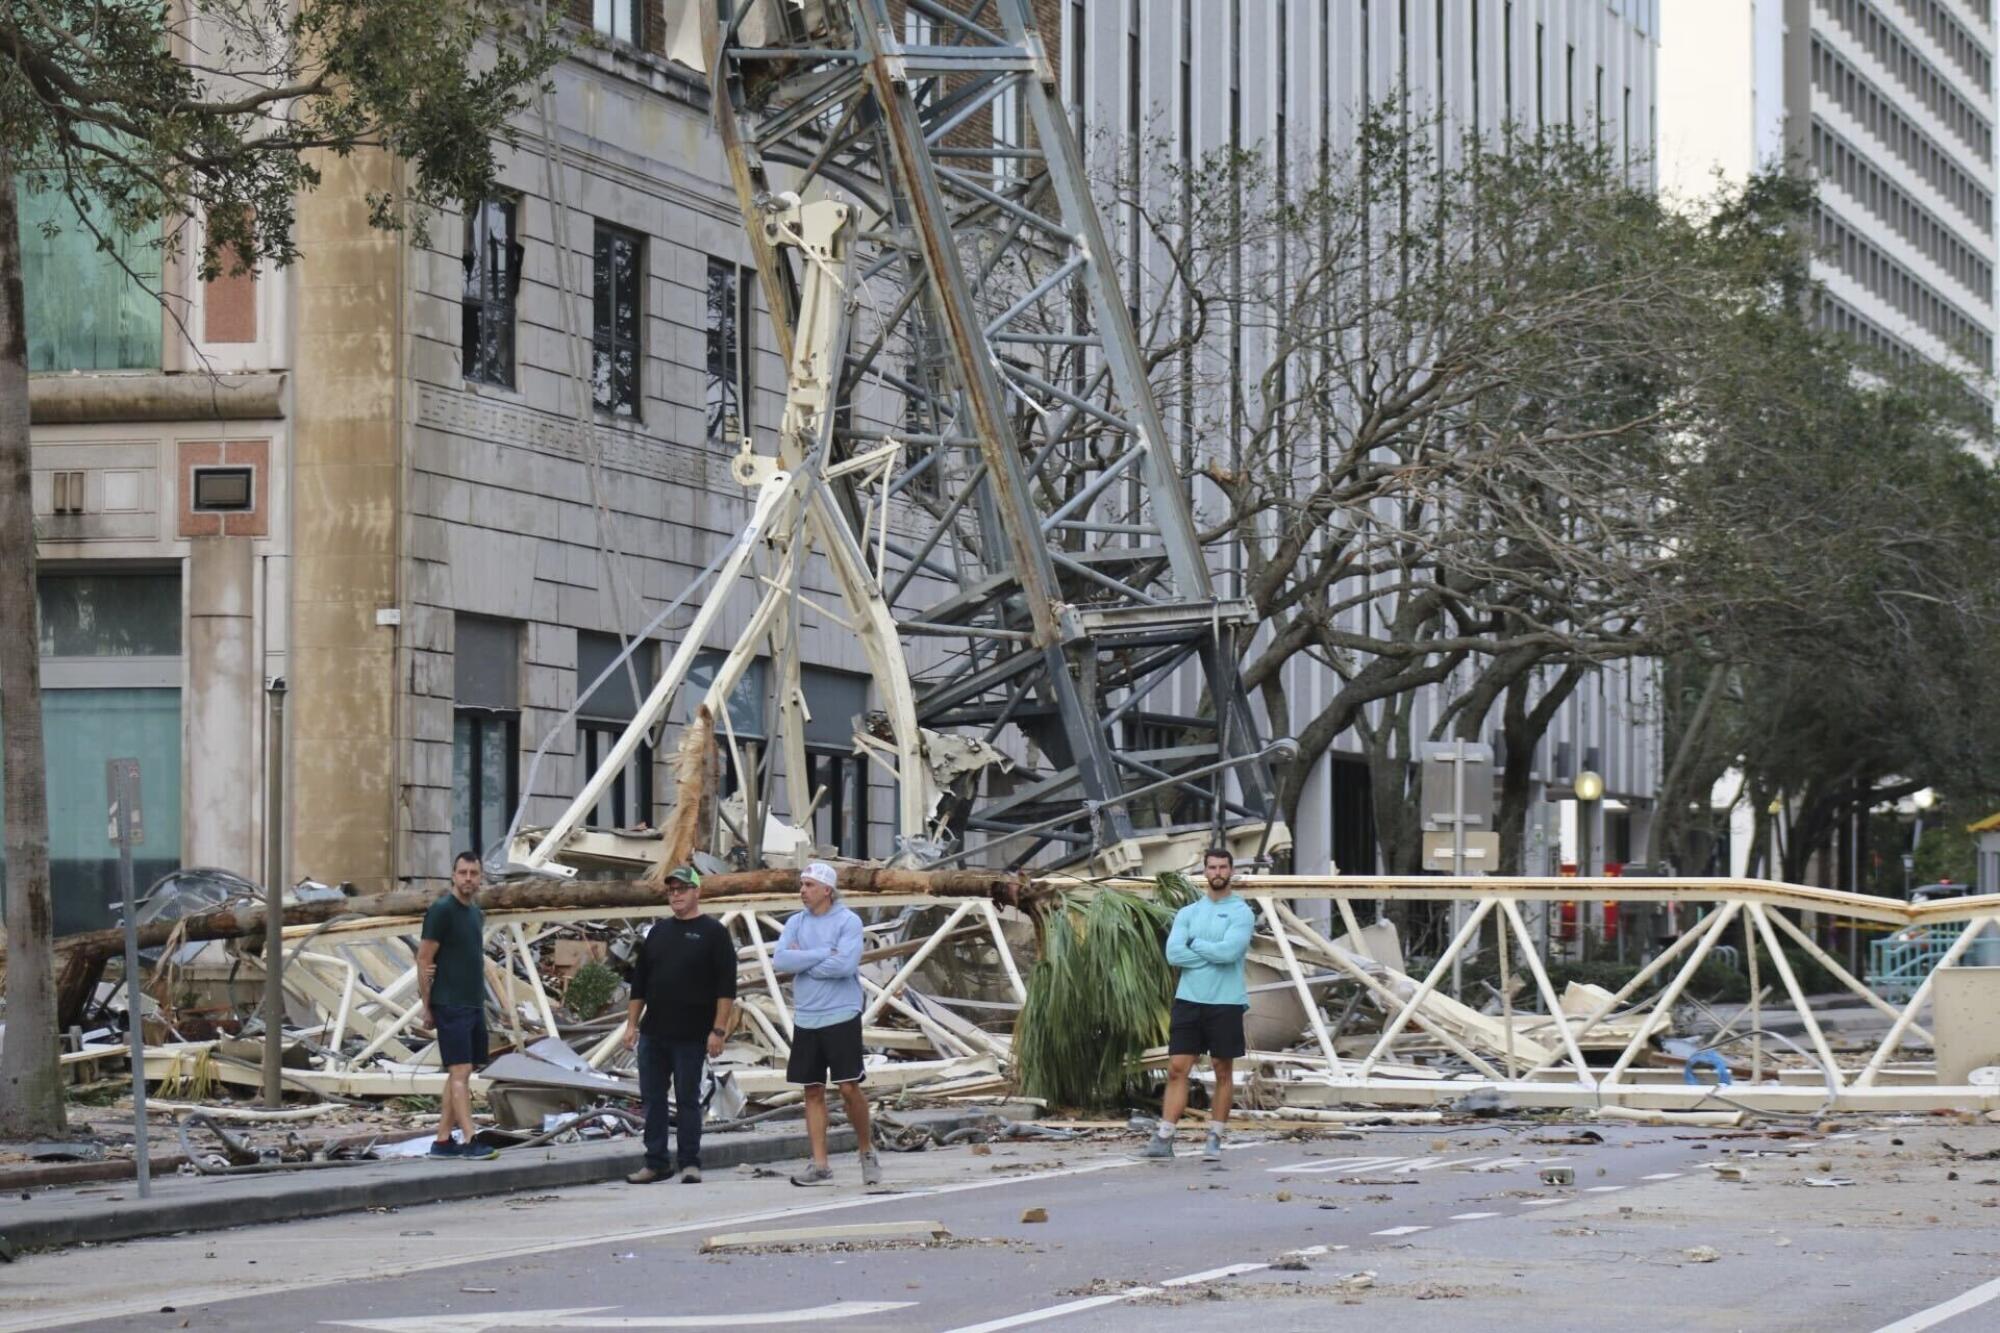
677	1062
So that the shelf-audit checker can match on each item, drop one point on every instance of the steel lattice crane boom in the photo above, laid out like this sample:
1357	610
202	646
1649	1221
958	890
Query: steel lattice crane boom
971	442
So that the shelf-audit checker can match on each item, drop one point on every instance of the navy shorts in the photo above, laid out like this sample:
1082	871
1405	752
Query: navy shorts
826	1055
461	1034
1212	1029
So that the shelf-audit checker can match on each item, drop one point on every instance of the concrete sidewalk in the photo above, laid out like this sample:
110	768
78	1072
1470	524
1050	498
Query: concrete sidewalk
95	1214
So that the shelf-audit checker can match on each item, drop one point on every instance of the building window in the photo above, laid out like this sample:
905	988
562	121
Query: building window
88	307
492	279
728	335
602	718
111	670
617	276
836	776
621	20
486	731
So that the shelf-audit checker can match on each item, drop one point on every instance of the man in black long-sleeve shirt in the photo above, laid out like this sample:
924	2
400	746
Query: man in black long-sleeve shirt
683	995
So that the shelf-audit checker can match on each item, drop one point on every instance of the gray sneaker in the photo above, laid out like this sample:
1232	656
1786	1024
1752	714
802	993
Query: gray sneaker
1211	1151
690	1175
814	1175
1158	1146
871	1169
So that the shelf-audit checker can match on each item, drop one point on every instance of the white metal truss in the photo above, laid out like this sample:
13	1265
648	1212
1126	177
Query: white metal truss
1423	1049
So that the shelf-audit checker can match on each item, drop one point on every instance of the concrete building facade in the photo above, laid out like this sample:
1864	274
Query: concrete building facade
1890	104
1188	77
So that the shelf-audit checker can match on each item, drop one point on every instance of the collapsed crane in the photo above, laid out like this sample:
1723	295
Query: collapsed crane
971	444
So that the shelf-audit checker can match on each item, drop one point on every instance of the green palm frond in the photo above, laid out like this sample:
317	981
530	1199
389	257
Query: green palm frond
1099	995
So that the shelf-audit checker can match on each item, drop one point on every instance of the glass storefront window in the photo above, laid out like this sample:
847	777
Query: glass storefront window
110	615
113	638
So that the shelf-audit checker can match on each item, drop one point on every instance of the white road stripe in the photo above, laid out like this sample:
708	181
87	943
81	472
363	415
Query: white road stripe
1055	1311
1604	1189
1662	1175
1471	1217
1950	1309
1542	1203
213	1295
595	1318
1049	1312
1433	1163
1341	1164
1399	1231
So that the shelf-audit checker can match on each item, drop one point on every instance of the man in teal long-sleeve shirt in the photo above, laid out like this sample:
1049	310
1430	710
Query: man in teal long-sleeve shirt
1209	939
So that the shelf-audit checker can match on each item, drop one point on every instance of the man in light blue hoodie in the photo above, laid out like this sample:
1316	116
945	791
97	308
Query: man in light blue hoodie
1207	943
821	948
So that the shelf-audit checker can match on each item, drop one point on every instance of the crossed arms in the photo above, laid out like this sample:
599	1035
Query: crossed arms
842	960
1185	950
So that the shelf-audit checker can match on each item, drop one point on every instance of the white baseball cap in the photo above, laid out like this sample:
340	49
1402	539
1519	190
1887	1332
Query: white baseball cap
819	872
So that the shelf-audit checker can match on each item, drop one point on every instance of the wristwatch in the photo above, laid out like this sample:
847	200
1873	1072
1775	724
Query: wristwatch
717	1032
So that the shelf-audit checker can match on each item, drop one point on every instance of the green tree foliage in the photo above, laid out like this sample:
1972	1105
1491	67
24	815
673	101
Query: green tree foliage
150	116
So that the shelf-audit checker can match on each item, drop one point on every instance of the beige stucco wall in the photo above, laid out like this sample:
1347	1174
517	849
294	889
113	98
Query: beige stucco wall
346	451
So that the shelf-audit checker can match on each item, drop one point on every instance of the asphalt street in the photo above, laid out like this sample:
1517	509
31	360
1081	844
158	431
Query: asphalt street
1437	1229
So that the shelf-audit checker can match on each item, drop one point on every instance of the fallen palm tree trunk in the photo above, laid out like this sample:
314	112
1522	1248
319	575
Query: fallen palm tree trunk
80	958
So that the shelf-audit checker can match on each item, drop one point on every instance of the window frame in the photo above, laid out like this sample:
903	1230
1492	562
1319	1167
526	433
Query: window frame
604	16
489	300
606	339
481	721
722	342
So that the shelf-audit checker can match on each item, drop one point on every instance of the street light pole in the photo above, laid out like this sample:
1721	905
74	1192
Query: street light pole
274	898
1589	790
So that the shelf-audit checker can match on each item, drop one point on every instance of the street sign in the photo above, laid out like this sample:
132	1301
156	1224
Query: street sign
123	775
1448	796
1482	852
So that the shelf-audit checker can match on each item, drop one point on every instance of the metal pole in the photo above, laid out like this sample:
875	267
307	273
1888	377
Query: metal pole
1457	856
124	793
274	897
1854	886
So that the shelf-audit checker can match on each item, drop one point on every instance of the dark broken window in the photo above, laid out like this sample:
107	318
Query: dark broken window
615	314
492	277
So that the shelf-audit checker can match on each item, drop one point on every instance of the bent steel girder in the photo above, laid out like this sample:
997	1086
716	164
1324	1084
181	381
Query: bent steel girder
1045	573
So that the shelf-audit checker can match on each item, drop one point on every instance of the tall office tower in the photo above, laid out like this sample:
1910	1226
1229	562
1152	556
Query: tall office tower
1891	104
1183	78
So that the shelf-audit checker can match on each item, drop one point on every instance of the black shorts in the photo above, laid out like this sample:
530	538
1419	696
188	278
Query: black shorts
1215	1030
461	1033
826	1055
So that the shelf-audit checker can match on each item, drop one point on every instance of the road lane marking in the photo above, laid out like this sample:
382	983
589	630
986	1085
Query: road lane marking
1399	1231
1662	1175
1950	1309
1067	1308
594	1317
1435	1163
1341	1164
1471	1217
1604	1189
235	1292
1542	1203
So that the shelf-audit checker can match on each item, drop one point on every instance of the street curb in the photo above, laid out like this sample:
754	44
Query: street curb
286	1197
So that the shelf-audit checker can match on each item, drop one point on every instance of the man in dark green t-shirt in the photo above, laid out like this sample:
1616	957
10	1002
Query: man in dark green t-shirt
451	977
